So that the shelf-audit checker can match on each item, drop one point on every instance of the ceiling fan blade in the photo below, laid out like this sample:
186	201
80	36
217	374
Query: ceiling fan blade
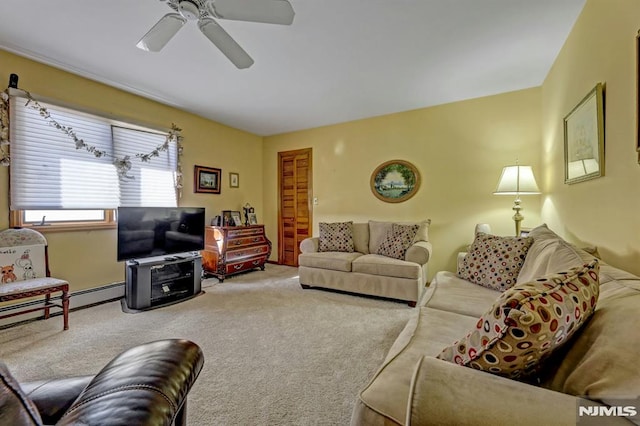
265	11
225	43
160	34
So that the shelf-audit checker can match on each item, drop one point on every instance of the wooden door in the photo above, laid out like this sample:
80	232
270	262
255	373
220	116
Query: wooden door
294	211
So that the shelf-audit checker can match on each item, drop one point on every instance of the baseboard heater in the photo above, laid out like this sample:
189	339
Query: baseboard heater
77	300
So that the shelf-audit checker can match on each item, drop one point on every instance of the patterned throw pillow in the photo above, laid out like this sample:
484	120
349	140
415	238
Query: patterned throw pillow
493	261
398	240
336	237
527	322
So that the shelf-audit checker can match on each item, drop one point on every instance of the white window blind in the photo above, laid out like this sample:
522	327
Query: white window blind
153	183
48	172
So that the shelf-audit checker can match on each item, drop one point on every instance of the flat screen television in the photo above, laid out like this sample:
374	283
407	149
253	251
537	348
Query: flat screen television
159	231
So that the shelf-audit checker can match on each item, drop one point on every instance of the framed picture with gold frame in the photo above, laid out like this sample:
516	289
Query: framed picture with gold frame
638	95
395	181
584	138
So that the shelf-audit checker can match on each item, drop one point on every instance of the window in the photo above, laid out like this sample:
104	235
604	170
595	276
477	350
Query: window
54	183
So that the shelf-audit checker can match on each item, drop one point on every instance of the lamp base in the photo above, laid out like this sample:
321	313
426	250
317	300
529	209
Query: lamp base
517	218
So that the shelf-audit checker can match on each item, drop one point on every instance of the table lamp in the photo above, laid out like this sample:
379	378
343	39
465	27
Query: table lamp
517	180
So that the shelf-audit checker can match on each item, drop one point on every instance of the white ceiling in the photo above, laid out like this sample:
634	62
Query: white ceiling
340	60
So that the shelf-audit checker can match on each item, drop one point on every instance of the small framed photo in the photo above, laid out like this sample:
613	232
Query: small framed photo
226	220
253	219
234	180
206	179
237	220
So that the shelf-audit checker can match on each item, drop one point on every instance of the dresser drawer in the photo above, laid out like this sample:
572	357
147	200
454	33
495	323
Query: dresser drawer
232	268
246	241
236	254
242	232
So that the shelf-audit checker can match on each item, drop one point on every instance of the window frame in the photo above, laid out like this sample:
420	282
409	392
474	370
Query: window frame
16	217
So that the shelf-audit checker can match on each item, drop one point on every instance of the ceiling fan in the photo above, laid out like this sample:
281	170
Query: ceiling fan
204	11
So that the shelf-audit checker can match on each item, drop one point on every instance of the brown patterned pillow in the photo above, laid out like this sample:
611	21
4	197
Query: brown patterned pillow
336	237
399	239
493	261
527	322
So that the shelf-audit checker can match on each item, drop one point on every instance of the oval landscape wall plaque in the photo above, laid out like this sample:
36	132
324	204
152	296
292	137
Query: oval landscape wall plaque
395	181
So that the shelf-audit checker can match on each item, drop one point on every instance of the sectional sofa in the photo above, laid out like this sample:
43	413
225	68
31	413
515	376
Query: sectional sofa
437	371
368	258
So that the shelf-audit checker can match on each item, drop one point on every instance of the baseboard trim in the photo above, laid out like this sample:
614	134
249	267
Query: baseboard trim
77	300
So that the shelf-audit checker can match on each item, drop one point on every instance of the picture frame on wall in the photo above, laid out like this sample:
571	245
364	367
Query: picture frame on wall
584	138
395	181
234	180
638	95
206	180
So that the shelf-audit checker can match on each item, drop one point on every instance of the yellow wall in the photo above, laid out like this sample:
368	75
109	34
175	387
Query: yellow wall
458	148
88	258
604	211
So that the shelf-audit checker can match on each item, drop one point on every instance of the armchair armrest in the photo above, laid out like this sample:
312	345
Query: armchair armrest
53	397
443	393
419	252
310	245
145	385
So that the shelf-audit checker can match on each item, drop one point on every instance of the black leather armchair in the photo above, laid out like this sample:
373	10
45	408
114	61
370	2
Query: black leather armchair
145	385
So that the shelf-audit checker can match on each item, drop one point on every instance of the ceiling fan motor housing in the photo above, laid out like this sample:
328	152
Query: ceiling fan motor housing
189	9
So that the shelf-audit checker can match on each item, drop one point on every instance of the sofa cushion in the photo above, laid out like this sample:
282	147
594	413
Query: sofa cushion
449	292
335	260
378	232
528	322
16	408
549	253
361	237
336	236
601	363
398	240
425	334
375	264
494	261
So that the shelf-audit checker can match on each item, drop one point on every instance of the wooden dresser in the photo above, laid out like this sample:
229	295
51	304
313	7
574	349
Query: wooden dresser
229	250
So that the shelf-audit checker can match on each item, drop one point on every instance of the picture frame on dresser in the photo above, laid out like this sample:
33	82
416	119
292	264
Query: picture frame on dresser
253	219
236	218
226	218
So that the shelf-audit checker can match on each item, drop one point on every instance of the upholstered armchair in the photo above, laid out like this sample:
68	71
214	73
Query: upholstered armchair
145	385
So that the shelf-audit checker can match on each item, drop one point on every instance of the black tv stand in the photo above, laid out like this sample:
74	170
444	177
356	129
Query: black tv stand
160	281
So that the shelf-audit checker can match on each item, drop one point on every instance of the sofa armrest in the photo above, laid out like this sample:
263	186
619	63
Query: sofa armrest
443	393
460	261
145	385
310	245
419	252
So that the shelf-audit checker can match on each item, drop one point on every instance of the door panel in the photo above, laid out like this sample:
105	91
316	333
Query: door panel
294	212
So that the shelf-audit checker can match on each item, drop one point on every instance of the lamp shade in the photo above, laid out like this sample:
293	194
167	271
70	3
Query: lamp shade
517	180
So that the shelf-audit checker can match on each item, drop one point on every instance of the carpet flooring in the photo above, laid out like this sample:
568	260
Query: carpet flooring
274	354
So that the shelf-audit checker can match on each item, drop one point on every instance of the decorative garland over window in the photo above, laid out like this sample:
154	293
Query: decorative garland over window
122	164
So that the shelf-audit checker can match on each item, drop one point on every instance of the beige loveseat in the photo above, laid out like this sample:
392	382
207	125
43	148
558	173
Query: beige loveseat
597	365
363	271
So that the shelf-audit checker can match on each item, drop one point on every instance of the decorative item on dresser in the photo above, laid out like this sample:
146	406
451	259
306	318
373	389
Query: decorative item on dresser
229	250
